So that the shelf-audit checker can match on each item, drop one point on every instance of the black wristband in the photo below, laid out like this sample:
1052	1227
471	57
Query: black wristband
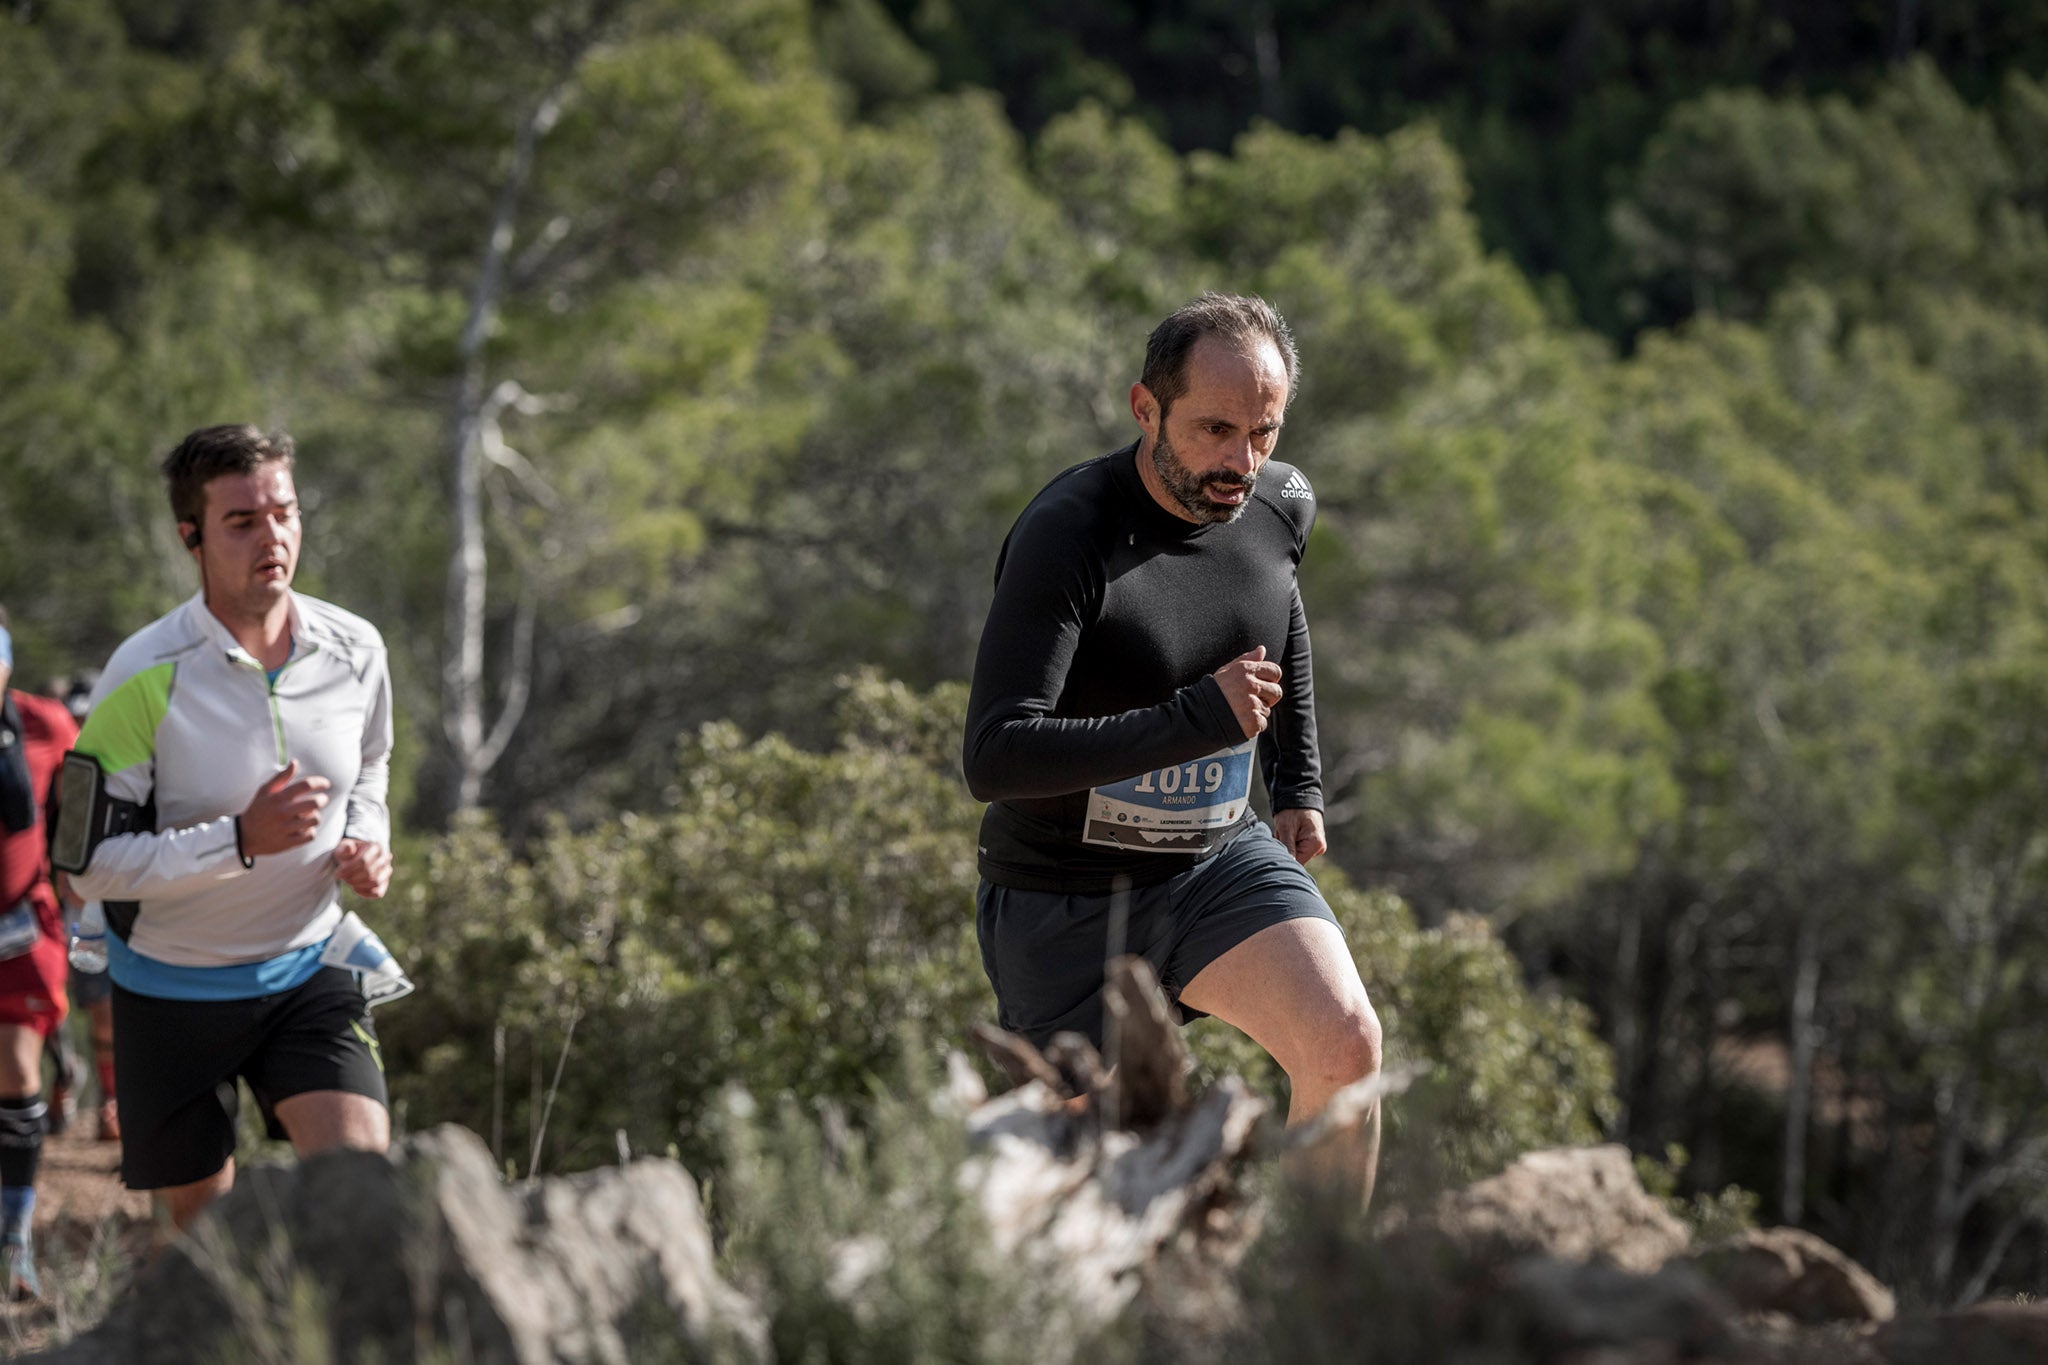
247	861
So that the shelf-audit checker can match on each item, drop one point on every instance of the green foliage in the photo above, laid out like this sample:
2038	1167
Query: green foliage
1742	196
857	41
1118	186
1510	1070
1702	668
1548	102
1715	1217
1971	1002
1317	1287
789	914
1711	1217
865	1243
775	927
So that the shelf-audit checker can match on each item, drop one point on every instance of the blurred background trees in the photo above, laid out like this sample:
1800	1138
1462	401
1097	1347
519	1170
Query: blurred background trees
1675	392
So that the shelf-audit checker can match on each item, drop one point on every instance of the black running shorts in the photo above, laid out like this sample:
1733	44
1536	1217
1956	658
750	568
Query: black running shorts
89	988
178	1061
1044	951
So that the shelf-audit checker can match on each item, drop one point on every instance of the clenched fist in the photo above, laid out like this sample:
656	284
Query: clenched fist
1251	685
363	866
284	813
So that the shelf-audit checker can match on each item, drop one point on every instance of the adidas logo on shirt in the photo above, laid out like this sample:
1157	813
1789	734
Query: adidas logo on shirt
1296	486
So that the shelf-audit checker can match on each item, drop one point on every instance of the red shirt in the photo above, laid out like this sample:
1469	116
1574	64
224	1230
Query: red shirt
47	731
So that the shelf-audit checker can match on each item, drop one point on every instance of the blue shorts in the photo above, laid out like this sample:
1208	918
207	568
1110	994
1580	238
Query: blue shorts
1044	951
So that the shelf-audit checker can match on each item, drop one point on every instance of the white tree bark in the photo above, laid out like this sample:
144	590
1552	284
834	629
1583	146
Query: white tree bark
462	669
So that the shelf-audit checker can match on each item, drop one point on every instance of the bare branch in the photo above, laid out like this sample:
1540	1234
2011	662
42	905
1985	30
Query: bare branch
516	690
2020	1159
1994	1256
527	267
606	623
492	446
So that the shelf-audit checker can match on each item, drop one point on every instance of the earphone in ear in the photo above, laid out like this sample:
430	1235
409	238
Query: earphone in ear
192	539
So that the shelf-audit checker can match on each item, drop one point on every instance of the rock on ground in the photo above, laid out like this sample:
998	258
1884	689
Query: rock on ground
1983	1334
1790	1271
427	1253
1573	1203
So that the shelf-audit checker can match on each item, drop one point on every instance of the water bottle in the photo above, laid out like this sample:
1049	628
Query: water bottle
89	939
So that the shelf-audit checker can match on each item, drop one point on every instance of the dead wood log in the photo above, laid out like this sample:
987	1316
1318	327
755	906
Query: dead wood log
1098	1194
1148	1061
1016	1058
1078	1063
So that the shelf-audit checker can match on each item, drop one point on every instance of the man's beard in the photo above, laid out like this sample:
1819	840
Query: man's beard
1190	489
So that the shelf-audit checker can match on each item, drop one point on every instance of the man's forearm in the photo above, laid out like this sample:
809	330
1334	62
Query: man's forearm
127	867
1021	757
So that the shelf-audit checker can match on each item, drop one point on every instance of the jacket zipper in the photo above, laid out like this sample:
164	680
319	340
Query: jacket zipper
270	694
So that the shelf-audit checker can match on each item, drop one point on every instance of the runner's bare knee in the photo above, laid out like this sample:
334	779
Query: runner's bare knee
1339	1051
1359	1044
324	1120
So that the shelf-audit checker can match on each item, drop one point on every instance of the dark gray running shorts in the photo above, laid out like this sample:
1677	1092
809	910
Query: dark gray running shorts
178	1060
1044	951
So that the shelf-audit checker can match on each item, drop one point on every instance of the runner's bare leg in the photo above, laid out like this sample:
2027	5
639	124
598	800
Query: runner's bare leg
323	1120
1294	989
184	1202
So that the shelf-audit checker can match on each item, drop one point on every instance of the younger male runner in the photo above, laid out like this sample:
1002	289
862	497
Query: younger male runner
249	734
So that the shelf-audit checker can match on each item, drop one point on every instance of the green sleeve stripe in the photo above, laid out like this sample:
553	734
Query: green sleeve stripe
121	731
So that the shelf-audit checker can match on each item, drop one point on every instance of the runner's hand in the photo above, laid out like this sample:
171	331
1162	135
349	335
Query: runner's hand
1302	832
1252	687
364	867
284	813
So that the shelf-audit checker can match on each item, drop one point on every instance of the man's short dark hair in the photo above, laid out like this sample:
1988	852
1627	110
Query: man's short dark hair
1241	320
210	452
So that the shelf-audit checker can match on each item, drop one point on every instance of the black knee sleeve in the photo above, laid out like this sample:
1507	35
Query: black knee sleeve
21	1139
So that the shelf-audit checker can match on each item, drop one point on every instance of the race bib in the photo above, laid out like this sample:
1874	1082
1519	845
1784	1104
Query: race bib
357	949
19	929
1182	809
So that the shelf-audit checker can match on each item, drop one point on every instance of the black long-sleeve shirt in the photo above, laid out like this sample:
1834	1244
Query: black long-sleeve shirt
1110	614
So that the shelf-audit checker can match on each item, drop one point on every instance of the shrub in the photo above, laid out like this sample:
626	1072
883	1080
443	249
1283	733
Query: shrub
1510	1070
775	927
862	1243
790	914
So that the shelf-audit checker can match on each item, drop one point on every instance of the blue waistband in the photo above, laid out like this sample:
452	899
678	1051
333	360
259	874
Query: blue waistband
242	981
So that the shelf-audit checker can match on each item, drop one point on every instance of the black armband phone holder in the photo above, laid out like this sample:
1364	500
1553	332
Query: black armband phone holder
86	815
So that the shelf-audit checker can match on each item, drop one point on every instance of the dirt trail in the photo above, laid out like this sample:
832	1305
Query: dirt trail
87	1226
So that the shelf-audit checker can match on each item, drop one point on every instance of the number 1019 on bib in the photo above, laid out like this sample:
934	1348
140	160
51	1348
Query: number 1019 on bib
1185	808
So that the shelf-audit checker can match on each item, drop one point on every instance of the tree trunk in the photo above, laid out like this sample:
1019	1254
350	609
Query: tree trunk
1682	1028
1994	1256
1266	55
1799	1089
1905	28
1955	1112
462	669
1626	1007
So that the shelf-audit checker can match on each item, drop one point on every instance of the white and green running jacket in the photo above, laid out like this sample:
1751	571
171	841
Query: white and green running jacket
186	717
